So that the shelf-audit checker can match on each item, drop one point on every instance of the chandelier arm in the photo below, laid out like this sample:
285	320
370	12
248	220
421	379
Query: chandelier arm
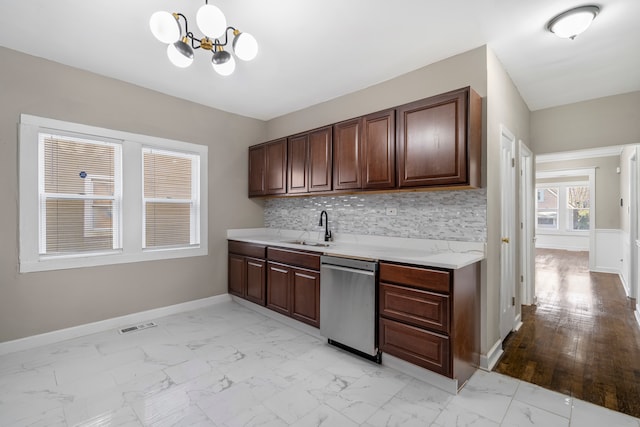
226	37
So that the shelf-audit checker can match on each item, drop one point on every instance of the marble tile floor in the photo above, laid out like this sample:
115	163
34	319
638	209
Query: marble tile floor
227	365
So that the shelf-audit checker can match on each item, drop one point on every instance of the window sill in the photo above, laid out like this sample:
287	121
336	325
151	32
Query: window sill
95	260
562	233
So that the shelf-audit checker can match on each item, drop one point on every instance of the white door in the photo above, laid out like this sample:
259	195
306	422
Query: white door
508	211
527	226
633	224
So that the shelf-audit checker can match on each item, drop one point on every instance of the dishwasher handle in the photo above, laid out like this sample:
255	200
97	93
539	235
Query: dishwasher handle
349	270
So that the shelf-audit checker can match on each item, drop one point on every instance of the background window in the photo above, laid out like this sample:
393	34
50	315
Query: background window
80	195
578	207
171	199
547	208
563	207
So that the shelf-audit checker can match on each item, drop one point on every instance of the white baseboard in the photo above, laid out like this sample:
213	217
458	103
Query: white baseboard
600	269
303	327
488	361
103	325
518	323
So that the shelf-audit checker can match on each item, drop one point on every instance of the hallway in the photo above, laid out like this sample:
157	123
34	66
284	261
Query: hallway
581	339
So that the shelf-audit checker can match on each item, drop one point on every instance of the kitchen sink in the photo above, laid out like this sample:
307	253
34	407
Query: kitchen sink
307	243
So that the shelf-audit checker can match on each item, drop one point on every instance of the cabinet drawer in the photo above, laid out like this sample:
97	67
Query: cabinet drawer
420	308
423	278
292	257
415	345
248	249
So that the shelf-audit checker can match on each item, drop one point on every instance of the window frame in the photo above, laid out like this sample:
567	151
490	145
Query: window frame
563	208
194	201
131	214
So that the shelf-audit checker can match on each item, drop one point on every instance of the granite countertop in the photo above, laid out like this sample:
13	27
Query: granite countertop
432	253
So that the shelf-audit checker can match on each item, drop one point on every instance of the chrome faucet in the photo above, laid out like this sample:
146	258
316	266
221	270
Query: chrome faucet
327	233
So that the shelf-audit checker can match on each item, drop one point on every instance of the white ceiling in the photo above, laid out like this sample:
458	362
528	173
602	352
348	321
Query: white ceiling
315	50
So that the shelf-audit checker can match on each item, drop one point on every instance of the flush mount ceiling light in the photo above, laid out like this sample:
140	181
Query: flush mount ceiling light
569	24
212	23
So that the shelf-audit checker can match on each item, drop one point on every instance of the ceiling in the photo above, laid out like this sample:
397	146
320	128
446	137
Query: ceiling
315	50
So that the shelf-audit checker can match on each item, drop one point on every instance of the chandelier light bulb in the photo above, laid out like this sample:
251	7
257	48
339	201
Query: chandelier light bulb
245	46
569	24
180	54
165	27
225	68
211	21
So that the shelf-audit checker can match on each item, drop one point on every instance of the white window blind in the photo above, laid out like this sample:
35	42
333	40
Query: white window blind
171	199
79	195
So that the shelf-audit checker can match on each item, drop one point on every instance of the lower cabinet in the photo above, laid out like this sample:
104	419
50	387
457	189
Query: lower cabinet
247	271
294	292
293	284
430	317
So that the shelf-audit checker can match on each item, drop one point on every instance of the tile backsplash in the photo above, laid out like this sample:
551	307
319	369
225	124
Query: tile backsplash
442	215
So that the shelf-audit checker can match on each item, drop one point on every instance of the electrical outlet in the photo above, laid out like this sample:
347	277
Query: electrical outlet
392	211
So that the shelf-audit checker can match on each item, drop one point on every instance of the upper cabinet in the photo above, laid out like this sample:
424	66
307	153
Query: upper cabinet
378	150
346	155
267	168
434	142
310	160
364	152
439	140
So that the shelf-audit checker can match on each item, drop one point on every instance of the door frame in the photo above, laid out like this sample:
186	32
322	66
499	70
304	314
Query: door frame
589	172
508	235
527	225
633	224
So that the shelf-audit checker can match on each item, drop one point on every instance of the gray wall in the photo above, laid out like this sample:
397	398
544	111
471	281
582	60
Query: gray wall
607	186
467	69
34	303
613	120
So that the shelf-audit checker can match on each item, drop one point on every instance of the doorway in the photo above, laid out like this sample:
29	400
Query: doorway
527	226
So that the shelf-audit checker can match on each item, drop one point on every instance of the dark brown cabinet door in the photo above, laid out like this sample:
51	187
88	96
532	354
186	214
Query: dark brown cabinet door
378	150
346	155
237	275
278	288
432	141
257	164
298	179
276	167
305	305
320	159
418	346
256	276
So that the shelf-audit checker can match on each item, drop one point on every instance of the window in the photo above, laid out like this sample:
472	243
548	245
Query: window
578	207
548	208
563	207
92	196
170	199
79	184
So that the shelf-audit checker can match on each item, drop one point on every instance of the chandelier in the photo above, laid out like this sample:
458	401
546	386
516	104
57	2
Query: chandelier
212	23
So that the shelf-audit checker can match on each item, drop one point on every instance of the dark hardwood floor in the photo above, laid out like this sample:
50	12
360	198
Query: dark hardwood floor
581	339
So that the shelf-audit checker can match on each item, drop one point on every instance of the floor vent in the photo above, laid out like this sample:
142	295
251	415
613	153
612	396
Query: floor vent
139	327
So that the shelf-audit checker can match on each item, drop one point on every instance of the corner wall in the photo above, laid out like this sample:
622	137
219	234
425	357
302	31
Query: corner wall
505	106
35	303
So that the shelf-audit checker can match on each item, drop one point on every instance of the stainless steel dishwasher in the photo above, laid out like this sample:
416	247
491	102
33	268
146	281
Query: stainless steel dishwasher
348	309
